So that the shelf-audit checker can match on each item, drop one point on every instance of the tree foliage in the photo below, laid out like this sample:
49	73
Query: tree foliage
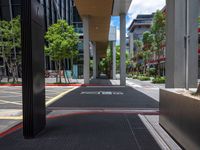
106	63
10	40
62	43
148	46
153	42
158	29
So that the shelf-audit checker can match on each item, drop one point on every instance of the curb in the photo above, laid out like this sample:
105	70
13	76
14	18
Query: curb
83	85
19	125
11	129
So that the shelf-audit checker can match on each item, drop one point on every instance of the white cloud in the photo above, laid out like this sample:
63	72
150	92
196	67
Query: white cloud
144	7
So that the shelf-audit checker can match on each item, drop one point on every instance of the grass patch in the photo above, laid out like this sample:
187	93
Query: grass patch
144	78
160	80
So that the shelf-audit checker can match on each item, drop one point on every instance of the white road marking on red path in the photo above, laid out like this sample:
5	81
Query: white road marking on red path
102	93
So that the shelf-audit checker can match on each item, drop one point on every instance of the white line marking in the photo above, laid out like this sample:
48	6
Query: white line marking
105	86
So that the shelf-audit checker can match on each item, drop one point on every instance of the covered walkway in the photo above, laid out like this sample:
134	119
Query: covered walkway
95	129
86	132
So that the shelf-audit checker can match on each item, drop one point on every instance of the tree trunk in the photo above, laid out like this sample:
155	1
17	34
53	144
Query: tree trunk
60	77
158	68
14	71
72	63
144	67
56	67
64	70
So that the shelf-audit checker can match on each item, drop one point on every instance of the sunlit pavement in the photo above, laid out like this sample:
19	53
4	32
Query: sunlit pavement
11	103
11	97
146	87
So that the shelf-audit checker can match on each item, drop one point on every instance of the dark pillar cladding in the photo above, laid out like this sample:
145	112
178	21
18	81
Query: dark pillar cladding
34	114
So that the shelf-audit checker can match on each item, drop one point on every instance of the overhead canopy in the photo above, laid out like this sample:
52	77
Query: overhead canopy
99	13
121	6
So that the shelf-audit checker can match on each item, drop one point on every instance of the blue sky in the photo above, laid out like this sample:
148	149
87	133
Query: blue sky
138	7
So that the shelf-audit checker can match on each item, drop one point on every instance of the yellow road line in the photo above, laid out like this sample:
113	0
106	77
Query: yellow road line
47	104
4	101
59	96
10	117
10	92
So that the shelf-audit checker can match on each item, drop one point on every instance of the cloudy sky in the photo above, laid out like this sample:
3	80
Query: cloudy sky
139	7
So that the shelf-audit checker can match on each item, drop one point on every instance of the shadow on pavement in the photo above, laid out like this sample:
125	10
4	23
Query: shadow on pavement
86	132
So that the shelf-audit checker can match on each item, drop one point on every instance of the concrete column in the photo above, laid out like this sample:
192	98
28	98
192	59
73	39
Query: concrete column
114	60
123	49
194	7
94	60
86	64
176	44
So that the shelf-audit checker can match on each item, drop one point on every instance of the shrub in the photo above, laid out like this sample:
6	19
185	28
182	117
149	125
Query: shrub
151	71
130	75
135	77
159	80
144	78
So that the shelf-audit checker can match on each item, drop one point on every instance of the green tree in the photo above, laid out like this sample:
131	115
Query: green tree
158	29
62	43
10	40
106	63
118	58
148	42
139	54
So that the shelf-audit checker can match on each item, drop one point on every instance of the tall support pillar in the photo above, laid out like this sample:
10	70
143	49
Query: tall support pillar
178	71
123	49
33	74
192	65
94	60
114	60
86	65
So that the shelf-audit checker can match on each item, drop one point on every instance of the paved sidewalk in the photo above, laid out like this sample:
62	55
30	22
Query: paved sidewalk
146	87
87	132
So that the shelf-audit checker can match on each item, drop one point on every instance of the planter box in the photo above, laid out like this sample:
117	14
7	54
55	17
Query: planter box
180	117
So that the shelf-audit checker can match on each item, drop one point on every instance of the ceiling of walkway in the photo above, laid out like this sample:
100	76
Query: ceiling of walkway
99	13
